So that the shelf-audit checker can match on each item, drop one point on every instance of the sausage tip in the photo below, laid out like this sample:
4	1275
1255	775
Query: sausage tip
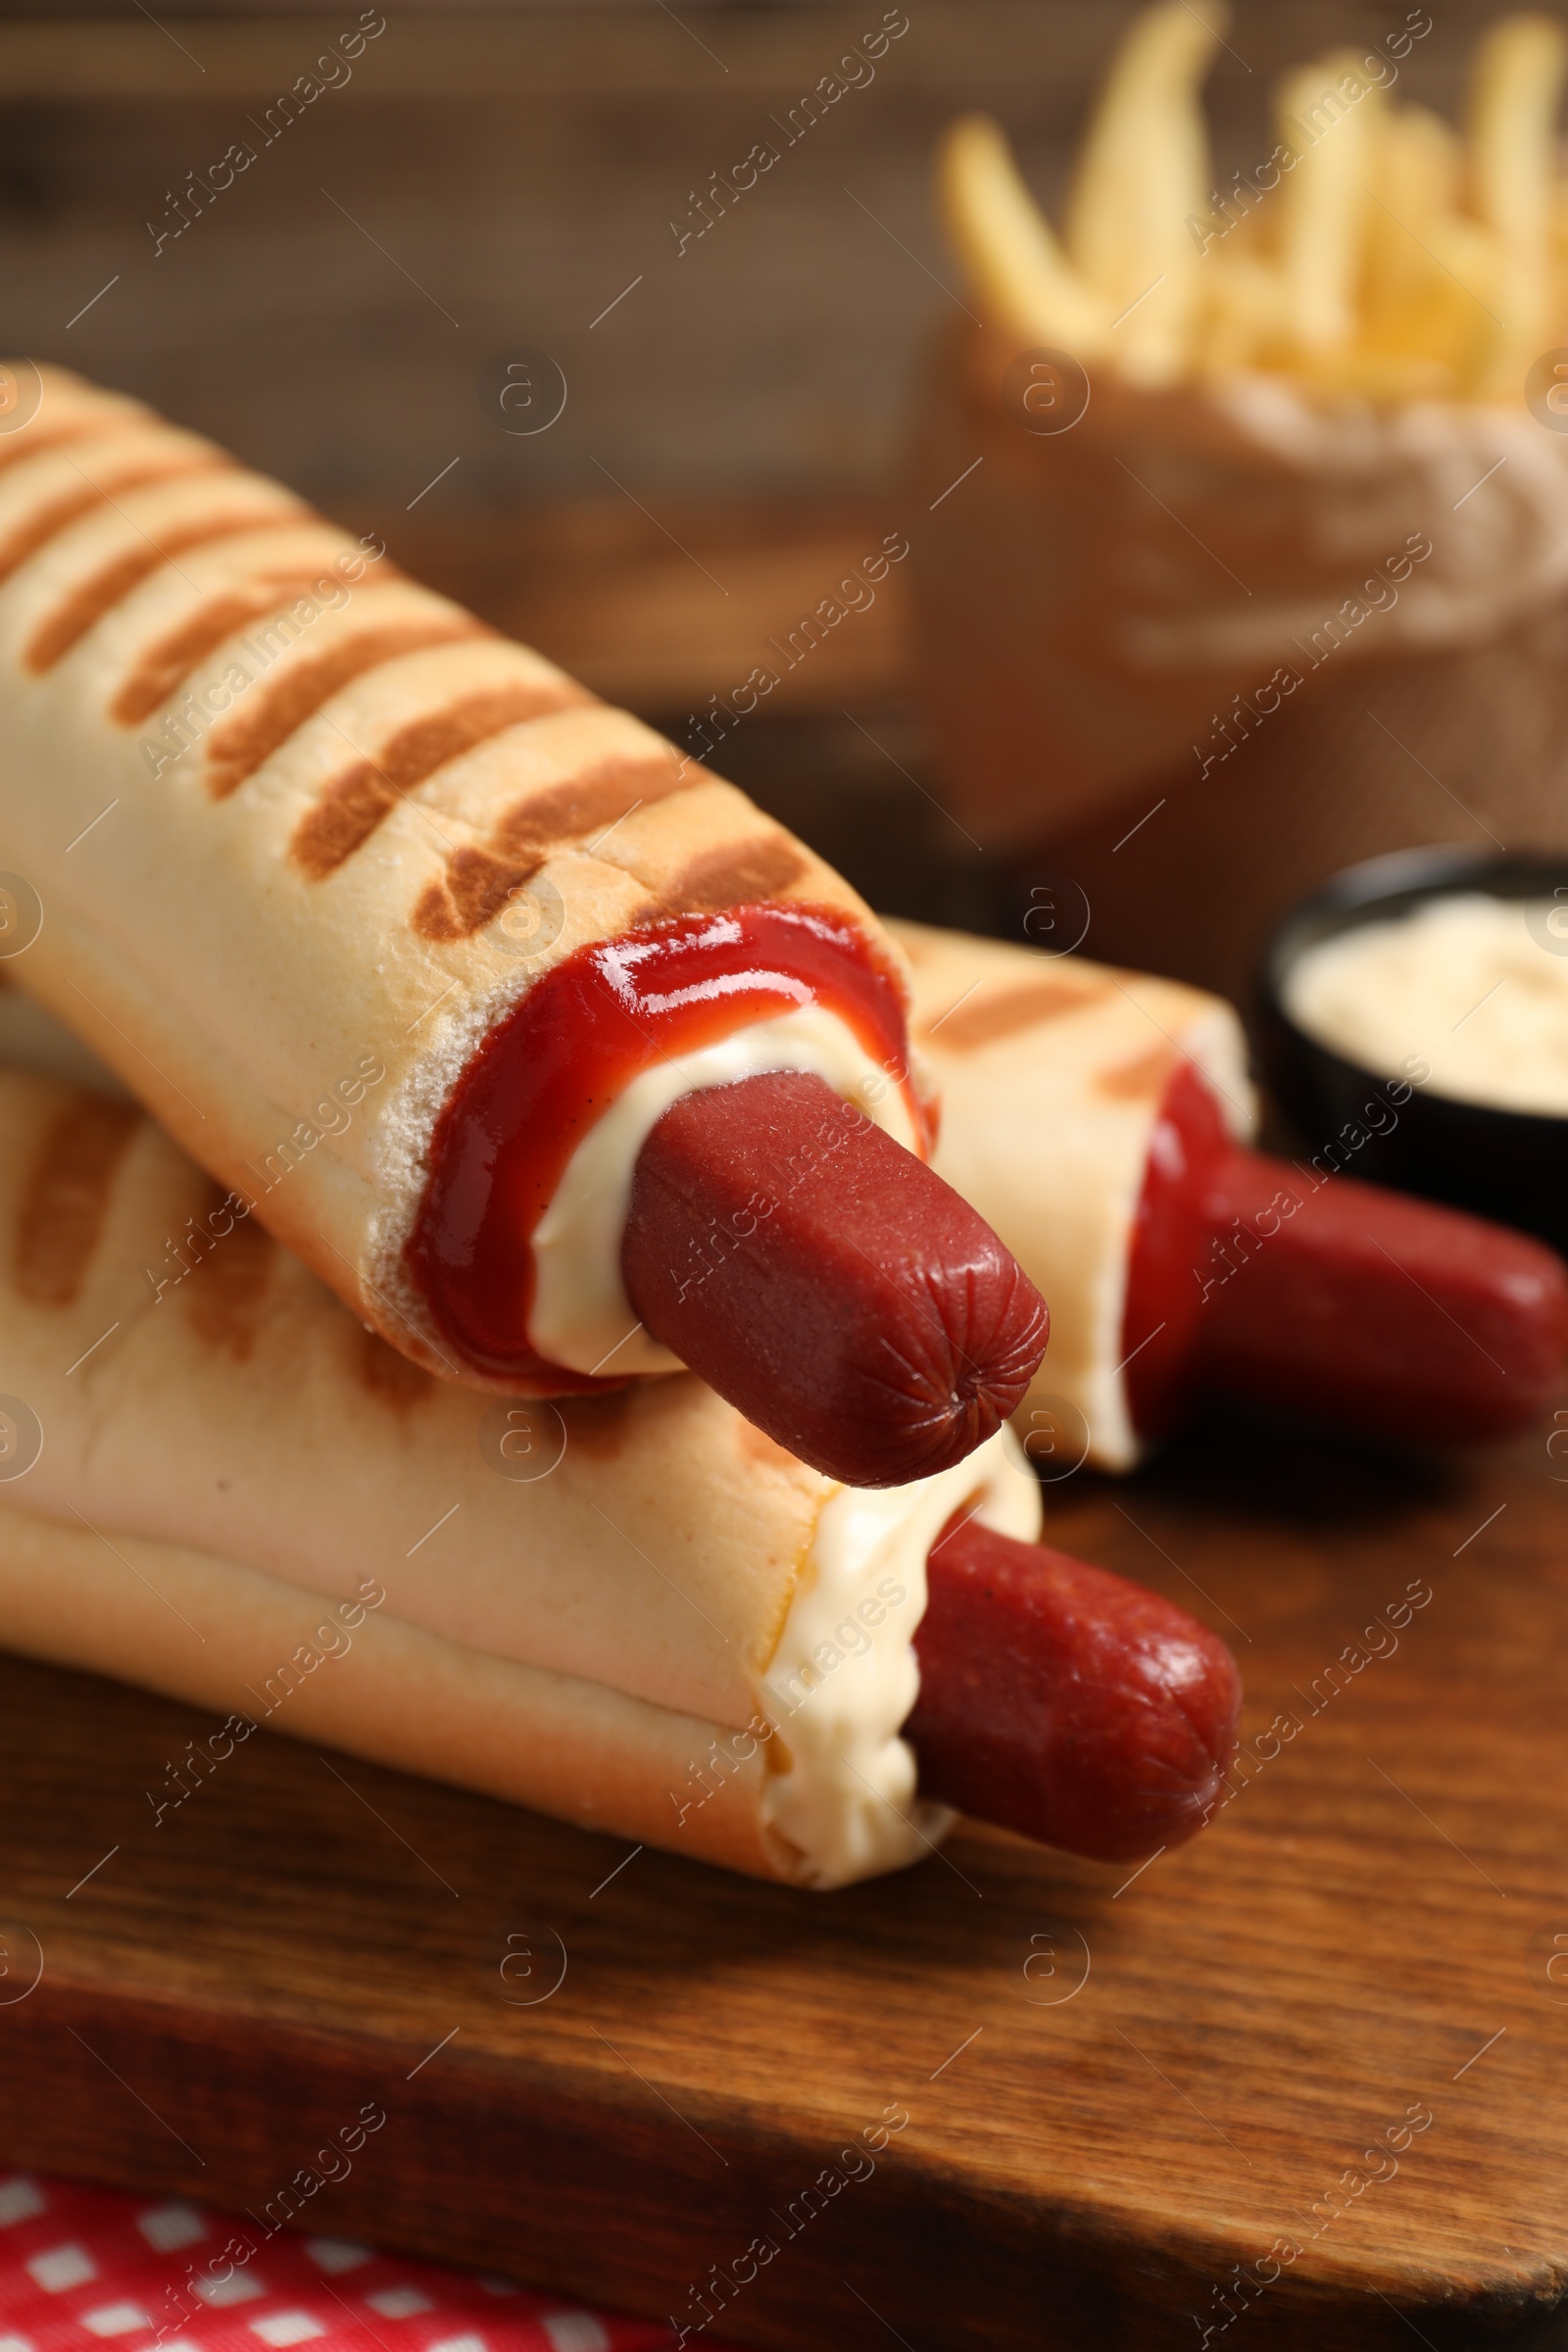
1068	1703
839	1294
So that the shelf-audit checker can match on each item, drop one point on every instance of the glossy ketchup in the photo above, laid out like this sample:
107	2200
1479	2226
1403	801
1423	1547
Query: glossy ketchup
566	1051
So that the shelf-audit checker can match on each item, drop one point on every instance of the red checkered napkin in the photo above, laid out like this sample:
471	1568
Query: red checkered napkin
90	2268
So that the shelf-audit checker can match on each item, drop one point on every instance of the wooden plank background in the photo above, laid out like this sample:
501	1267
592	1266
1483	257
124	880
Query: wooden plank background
522	165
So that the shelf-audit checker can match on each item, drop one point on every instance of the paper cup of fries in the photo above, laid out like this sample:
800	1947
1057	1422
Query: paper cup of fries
1246	549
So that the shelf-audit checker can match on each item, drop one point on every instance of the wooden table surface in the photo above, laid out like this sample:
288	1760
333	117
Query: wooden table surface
1324	2044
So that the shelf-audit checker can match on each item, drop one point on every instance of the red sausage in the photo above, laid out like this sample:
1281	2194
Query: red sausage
1064	1702
1329	1297
1381	1311
820	1277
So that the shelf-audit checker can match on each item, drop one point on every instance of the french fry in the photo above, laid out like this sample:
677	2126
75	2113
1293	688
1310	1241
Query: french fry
1008	247
1143	173
1460	319
1327	115
1386	257
1416	176
1557	267
1516	87
1429	273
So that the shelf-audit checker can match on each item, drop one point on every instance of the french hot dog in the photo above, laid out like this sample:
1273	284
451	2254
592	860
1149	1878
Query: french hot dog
634	1609
1100	1121
410	941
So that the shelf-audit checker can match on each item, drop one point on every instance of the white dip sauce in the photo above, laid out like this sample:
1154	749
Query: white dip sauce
843	1789
1465	982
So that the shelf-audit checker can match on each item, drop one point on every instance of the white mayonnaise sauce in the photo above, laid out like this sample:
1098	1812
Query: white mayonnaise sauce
1467	981
843	1676
581	1314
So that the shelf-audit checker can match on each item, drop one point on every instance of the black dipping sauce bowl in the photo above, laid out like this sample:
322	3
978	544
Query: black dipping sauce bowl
1508	1164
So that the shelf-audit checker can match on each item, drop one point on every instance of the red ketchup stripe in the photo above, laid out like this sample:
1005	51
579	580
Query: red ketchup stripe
566	1053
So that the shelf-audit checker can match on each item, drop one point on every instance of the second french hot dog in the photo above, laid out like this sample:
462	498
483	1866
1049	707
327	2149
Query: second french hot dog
1100	1121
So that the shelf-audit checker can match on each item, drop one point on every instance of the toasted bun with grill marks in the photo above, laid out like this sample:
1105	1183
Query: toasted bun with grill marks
238	1409
576	1641
274	796
614	1609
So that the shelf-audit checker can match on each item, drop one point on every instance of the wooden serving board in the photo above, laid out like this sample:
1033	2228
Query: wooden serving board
1325	2044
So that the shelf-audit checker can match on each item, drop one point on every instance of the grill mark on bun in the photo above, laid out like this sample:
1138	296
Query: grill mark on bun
30	443
355	803
164	667
97	595
480	880
598	795
343	820
1143	1079
476	886
229	1285
986	1020
46	522
68	1197
734	874
272	709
